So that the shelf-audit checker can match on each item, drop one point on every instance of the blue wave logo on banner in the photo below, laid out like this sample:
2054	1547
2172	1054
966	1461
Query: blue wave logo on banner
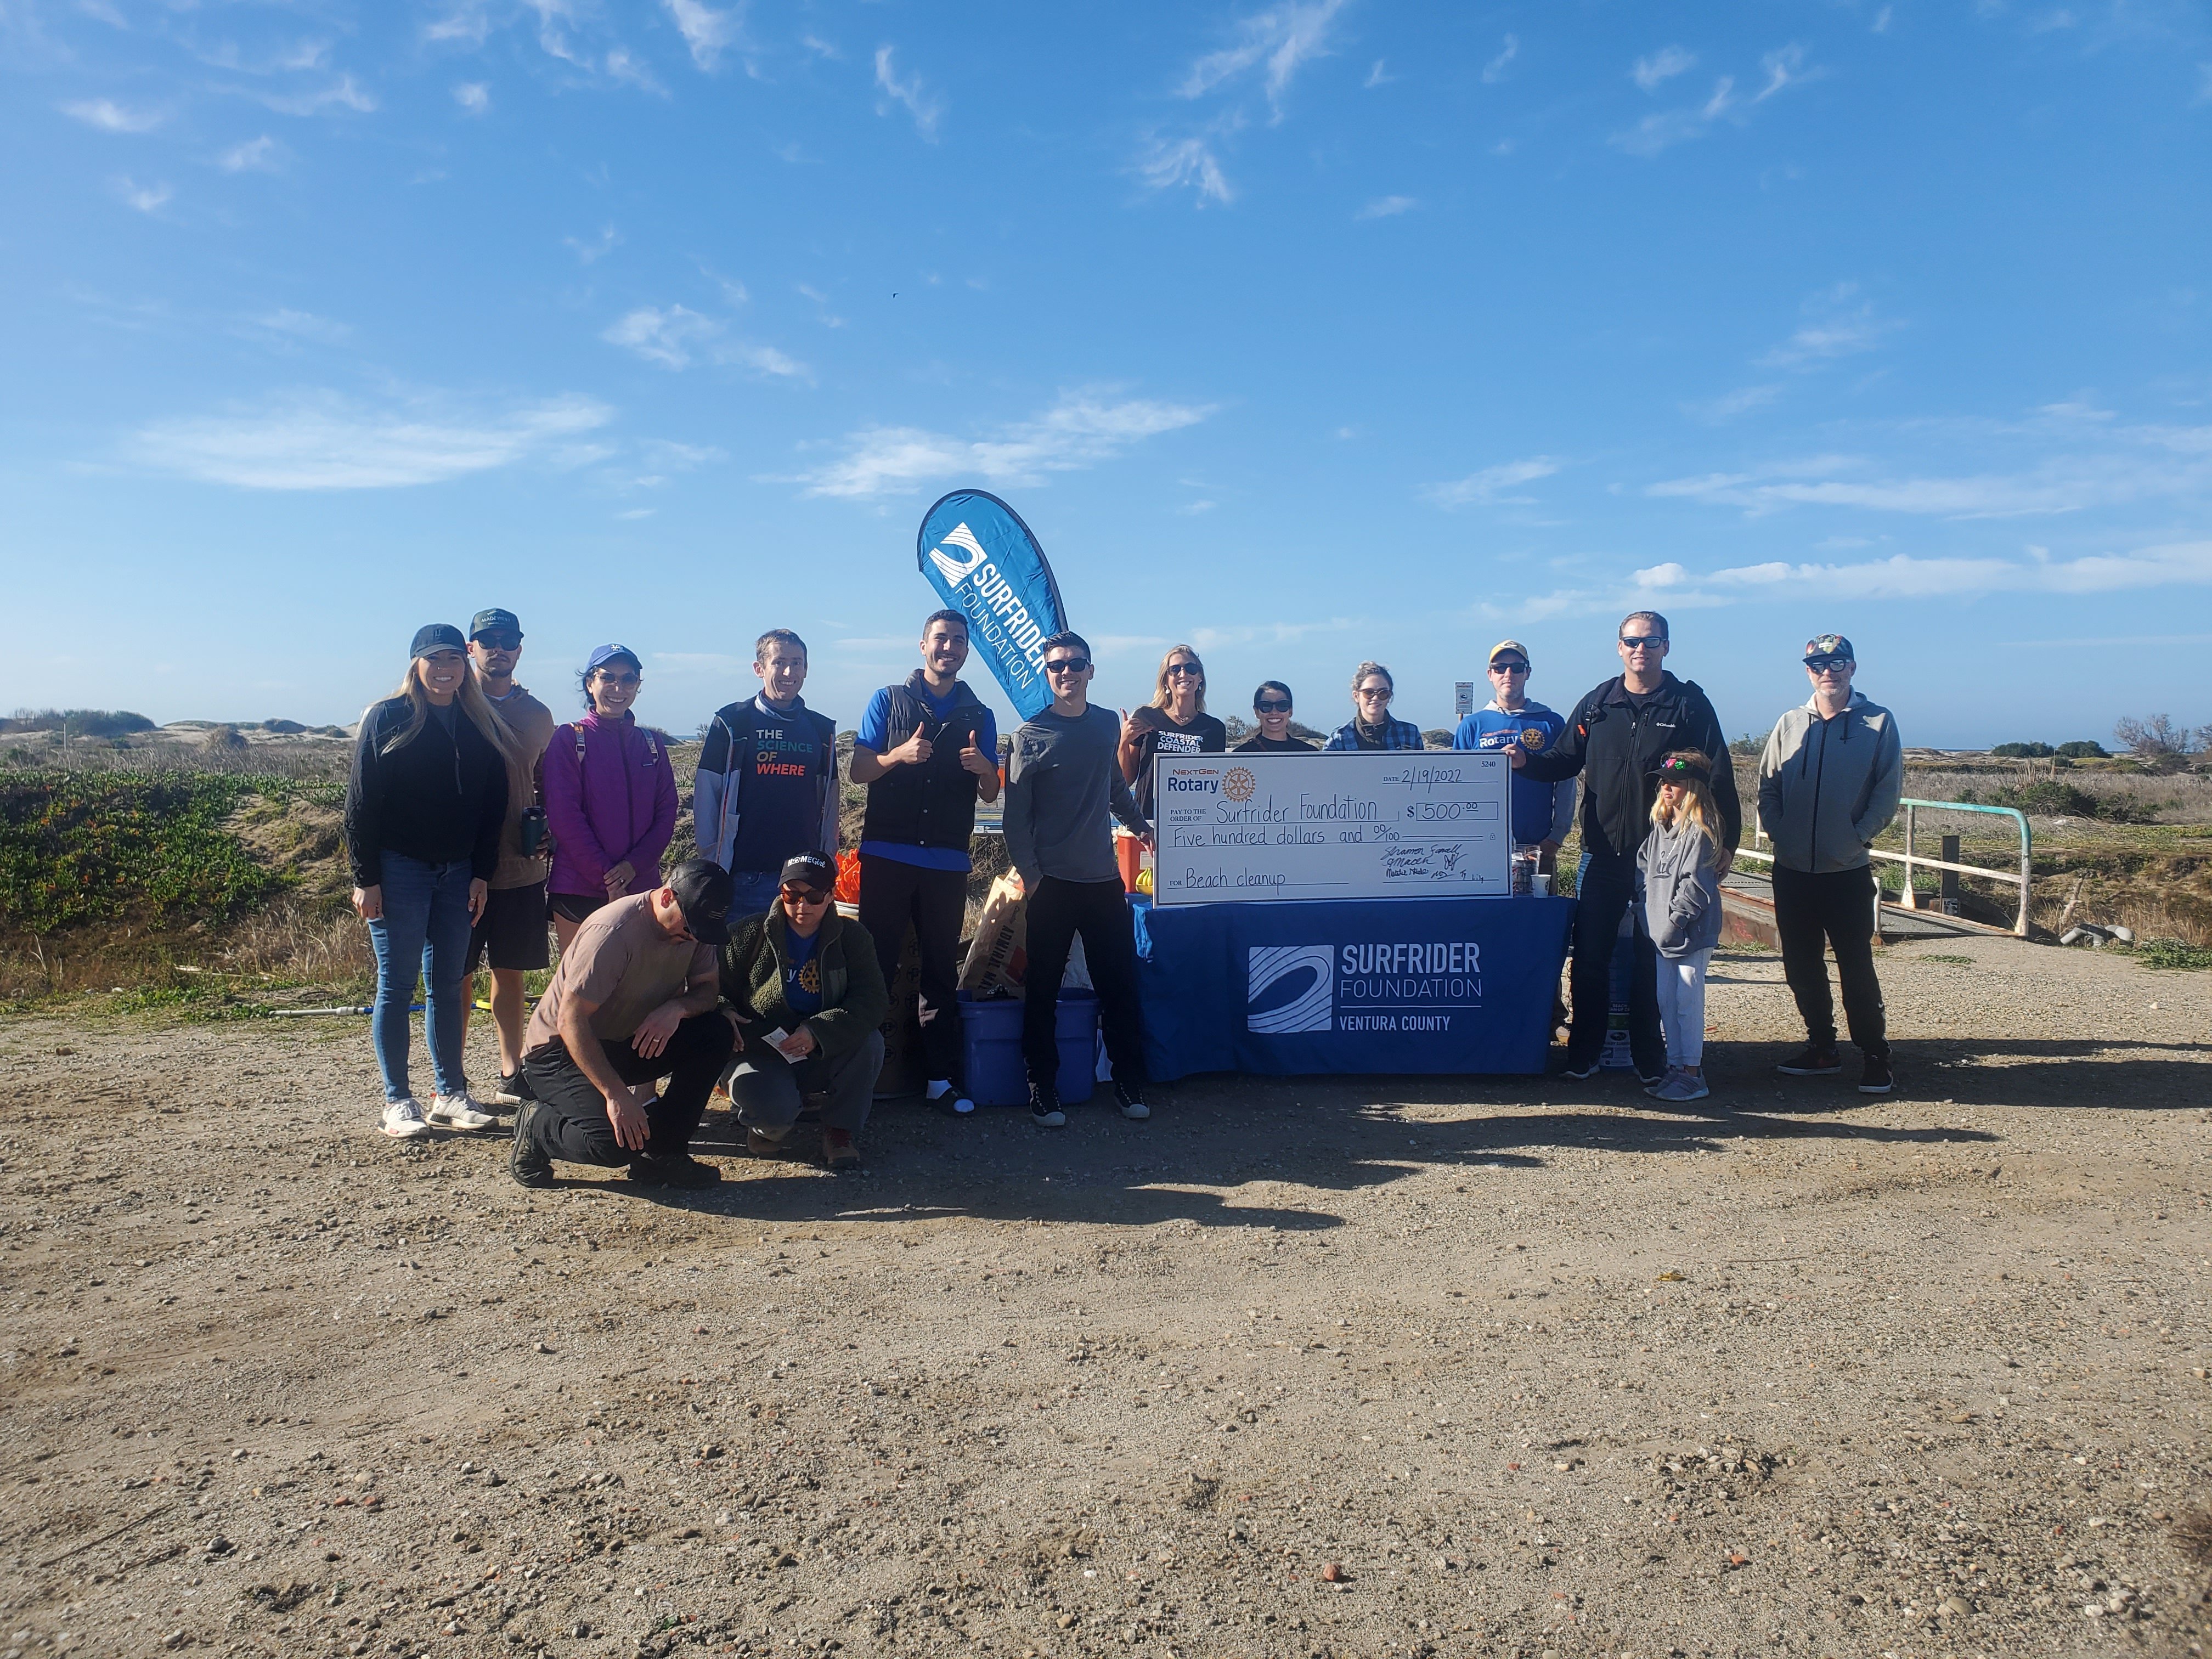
978	554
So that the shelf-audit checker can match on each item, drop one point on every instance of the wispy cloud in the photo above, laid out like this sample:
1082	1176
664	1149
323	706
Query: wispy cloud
467	24
710	33
623	65
144	197
301	325
927	109
1729	404
255	155
1663	64
344	94
1284	38
1488	488
1905	576
112	117
1494	70
1386	207
1376	76
1784	67
321	440
473	96
1170	164
675	337
1839	325
597	248
1081	430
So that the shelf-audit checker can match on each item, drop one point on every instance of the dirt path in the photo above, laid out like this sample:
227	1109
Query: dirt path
1348	1367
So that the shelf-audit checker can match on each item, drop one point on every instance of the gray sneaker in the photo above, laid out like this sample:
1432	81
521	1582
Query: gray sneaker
1684	1086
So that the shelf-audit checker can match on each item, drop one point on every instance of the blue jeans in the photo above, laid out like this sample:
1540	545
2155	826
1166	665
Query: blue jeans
426	924
753	893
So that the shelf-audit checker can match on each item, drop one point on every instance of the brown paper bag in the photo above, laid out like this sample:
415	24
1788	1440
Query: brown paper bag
997	957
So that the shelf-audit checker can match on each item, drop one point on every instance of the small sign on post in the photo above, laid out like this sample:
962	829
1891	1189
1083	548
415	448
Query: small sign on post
1462	698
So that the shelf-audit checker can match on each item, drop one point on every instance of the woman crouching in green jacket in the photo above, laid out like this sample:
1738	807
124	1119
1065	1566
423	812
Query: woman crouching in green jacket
809	997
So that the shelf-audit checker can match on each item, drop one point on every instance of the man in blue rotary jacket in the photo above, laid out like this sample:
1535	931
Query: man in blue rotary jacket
1543	813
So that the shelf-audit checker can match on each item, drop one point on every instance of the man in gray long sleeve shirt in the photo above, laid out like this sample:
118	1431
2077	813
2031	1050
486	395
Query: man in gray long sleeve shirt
1061	786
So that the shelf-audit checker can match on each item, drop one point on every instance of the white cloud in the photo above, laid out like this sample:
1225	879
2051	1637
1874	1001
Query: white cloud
1487	487
473	96
1376	77
144	197
1784	68
468	24
1189	161
321	440
1836	327
827	318
707	32
111	117
1284	38
597	248
670	337
303	326
1729	404
1904	576
766	360
926	110
820	48
1080	431
622	66
1386	207
346	93
1494	70
254	155
1661	65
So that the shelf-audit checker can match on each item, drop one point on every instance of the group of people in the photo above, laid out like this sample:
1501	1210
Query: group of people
472	819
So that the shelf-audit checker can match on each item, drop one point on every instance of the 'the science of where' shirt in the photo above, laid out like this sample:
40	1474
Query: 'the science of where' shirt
621	960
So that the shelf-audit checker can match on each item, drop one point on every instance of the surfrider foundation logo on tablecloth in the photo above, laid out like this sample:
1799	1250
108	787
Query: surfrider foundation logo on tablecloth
1290	987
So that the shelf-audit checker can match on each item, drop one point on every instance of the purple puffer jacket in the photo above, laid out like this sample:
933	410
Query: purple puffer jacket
619	804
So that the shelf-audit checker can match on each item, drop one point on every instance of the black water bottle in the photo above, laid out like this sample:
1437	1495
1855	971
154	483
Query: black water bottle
532	831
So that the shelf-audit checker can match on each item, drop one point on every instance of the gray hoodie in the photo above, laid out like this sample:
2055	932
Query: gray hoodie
1827	788
1681	891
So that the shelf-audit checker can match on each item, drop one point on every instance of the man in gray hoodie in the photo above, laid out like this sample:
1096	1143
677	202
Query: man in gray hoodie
1828	784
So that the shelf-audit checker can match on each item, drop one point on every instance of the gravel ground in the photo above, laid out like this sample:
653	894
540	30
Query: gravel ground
1308	1367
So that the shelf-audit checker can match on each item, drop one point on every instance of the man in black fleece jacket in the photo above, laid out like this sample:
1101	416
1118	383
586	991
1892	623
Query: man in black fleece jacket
1614	738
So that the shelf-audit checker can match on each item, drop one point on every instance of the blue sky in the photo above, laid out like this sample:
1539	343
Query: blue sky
1304	332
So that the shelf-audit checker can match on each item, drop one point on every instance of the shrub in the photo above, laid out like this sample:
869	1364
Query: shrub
2158	740
2024	751
78	722
2048	798
2172	953
2084	748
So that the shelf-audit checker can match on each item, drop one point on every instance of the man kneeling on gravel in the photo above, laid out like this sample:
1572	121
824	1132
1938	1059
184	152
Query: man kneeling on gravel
634	1000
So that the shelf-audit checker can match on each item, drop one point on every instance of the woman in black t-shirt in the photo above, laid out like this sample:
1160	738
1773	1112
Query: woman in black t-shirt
1175	722
1271	730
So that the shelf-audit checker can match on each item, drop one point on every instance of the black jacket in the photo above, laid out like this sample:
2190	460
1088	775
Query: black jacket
440	799
1616	746
932	805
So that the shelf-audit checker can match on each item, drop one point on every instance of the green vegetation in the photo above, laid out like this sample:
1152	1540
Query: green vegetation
191	1000
2172	953
2048	798
2023	752
78	722
86	847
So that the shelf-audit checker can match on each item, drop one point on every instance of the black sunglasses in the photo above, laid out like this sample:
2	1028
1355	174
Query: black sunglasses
798	895
1068	665
1272	706
1643	642
499	641
1509	668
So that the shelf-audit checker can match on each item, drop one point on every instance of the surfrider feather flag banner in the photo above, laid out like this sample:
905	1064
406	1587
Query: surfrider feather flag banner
979	555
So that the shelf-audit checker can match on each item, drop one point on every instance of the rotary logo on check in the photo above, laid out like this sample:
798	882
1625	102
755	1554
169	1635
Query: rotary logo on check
1239	783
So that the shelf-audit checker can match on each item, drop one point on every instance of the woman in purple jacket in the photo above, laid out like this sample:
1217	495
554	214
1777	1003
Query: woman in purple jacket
609	796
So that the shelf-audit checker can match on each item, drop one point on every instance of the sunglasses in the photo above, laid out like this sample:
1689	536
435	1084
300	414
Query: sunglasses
1643	642
1068	665
499	641
1509	668
617	681
1272	706
1822	665
798	895
1176	669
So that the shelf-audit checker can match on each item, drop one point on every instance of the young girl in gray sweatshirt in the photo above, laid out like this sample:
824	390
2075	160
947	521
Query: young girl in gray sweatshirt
1677	870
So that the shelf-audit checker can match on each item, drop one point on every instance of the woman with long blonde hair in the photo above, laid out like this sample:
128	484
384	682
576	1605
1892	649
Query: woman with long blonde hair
424	807
1679	869
1175	722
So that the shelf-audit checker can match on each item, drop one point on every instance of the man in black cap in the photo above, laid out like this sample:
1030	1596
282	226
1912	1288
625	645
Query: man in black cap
512	931
1828	784
634	999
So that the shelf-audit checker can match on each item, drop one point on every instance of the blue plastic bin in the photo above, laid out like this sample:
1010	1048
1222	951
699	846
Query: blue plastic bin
991	1045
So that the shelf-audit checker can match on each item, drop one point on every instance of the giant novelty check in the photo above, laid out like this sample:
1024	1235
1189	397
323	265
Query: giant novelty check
1346	824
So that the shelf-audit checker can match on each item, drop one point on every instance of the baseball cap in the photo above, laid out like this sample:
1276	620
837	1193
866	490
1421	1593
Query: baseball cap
814	870
437	636
1504	646
705	891
1678	767
1830	645
485	621
603	654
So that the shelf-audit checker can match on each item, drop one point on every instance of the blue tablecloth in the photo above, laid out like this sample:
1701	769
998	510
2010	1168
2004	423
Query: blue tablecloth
1352	986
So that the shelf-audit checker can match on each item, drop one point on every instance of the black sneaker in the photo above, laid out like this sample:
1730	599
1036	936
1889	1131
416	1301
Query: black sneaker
524	1162
1131	1100
1876	1079
1044	1108
1813	1060
1579	1069
681	1171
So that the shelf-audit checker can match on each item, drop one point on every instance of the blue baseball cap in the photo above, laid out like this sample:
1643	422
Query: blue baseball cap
602	655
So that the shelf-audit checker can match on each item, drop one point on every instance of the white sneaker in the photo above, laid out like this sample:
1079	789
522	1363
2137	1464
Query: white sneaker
459	1112
403	1120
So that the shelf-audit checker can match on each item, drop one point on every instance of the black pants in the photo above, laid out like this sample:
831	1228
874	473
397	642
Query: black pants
1604	892
1099	910
892	894
573	1123
1836	909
